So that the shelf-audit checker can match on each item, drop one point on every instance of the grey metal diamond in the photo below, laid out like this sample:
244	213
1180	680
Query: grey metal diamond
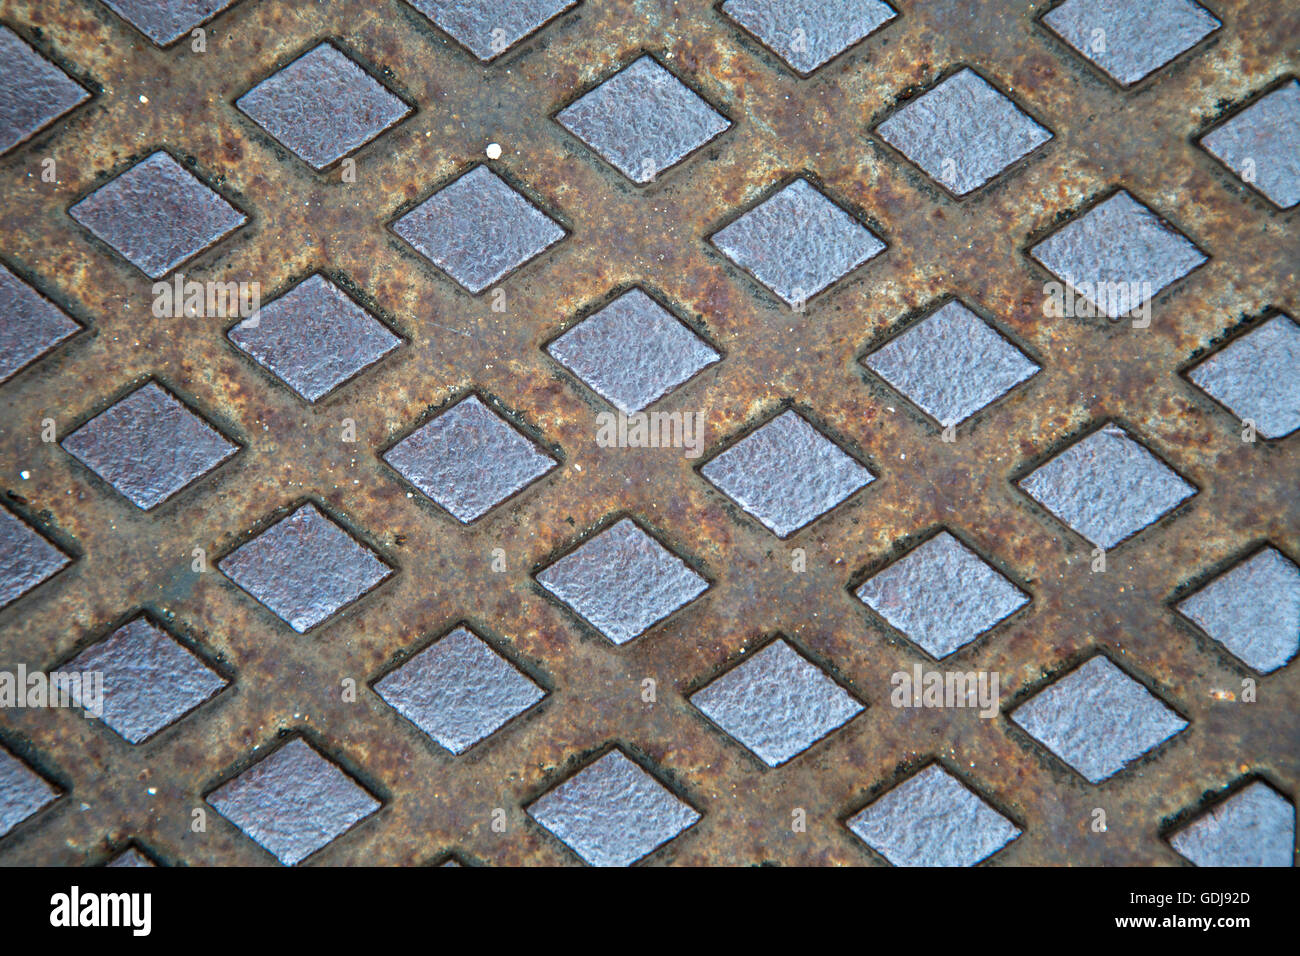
1107	486
786	474
305	568
797	242
963	132
1257	376
941	595
643	120
951	364
1098	719
632	352
322	106
148	446
1253	827
622	581
808	33
612	813
1130	39
314	338
1261	144
468	459
32	325
150	680
1252	609
1118	255
26	558
157	215
478	229
165	21
489	28
776	703
33	91
458	690
293	802
22	792
933	819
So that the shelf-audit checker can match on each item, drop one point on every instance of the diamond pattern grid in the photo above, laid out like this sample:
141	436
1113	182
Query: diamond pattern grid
27	559
488	28
622	581
1253	827
293	802
1261	144
478	230
1130	39
1107	486
1257	377
1252	609
314	338
150	680
1118	255
305	568
755	213
33	325
806	34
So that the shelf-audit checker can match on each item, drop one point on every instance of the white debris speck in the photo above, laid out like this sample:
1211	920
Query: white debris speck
494	151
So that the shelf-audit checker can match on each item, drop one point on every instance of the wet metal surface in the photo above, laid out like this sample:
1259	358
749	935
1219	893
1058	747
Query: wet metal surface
512	278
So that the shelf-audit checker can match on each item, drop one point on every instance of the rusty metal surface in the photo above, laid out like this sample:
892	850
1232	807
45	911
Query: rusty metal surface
616	235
